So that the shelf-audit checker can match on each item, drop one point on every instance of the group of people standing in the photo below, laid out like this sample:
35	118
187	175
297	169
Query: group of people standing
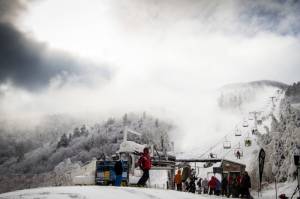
238	186
186	180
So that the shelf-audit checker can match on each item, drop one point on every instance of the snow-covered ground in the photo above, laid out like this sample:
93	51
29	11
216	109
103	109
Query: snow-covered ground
110	192
96	192
287	188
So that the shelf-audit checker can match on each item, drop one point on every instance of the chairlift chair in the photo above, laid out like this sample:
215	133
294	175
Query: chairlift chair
238	133
245	124
212	155
254	131
236	151
248	142
259	122
227	145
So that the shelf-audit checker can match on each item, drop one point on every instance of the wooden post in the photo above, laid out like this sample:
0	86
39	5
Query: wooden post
276	187
172	175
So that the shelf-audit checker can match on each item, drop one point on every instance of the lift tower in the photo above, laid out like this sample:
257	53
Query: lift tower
255	113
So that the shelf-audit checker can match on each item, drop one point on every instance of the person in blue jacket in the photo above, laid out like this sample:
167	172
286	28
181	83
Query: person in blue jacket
218	187
118	171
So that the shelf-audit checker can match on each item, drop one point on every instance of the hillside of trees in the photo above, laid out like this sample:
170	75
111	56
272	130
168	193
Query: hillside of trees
27	156
281	143
293	93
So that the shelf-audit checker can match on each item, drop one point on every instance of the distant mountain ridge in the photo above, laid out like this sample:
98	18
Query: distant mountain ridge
259	83
235	96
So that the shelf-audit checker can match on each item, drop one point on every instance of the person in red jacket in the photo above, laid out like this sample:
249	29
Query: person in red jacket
212	184
145	164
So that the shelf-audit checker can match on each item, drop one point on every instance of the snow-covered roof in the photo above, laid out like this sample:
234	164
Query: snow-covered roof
130	146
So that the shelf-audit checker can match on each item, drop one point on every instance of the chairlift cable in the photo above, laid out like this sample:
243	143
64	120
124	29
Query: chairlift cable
222	140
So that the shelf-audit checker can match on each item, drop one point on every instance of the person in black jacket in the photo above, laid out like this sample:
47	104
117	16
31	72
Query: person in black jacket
199	183
118	171
224	186
192	182
245	186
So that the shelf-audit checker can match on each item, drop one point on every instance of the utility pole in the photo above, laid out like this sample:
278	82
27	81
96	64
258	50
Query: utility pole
272	98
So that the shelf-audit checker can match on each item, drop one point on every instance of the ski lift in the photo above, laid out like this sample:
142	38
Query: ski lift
238	152
207	164
254	131
212	155
238	132
226	144
245	124
248	141
259	122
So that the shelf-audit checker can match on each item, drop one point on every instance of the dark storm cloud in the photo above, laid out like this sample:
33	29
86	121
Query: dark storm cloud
29	64
279	16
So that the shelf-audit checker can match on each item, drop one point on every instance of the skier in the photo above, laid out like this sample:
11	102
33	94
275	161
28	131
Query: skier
212	184
178	180
205	186
118	171
212	155
238	154
199	183
245	185
145	164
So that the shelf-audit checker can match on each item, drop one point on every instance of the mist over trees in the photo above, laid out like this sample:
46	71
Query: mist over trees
234	96
293	93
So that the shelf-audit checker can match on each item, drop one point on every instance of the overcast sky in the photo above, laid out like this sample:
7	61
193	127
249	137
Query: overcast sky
111	56
193	42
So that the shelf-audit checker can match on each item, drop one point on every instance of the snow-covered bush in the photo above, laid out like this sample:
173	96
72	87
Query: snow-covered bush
280	143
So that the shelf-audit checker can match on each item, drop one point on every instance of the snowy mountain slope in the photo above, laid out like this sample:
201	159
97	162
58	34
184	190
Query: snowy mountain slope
267	108
257	84
280	125
262	103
